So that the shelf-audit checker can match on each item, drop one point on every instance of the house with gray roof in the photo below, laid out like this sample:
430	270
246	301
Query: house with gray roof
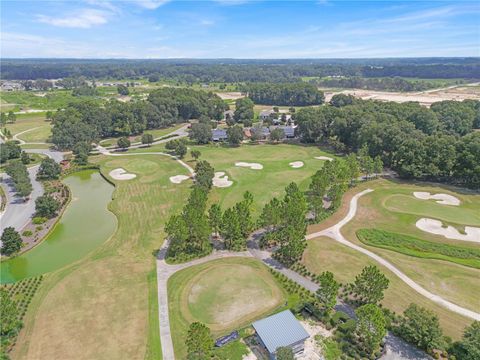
219	135
281	330
265	114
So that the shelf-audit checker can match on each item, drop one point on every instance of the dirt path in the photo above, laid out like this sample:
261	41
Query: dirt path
334	233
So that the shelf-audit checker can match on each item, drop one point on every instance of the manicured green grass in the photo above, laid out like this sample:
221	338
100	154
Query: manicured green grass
468	213
325	254
106	303
233	351
263	184
413	246
225	294
41	128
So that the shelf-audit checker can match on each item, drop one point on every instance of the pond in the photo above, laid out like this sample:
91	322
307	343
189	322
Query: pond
85	224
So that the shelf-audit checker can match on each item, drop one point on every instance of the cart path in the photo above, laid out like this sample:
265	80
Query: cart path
334	233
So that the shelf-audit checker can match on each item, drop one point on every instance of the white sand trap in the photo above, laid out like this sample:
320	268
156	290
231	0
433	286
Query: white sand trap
323	158
221	180
177	179
433	226
253	166
296	164
121	174
443	199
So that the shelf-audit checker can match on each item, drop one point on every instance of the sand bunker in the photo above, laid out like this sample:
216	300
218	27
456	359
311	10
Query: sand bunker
323	158
177	179
433	226
443	199
221	180
253	166
121	174
296	164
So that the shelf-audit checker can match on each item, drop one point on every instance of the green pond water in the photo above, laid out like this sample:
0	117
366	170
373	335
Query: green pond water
85	224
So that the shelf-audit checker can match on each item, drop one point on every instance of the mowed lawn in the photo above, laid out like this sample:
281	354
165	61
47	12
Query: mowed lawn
105	305
225	294
325	254
39	128
454	282
266	183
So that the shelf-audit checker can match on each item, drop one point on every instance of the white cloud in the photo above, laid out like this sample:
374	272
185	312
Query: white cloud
206	22
150	4
85	18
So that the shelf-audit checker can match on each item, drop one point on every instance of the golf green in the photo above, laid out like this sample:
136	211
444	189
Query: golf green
85	224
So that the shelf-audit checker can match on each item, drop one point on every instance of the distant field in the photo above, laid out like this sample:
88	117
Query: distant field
224	294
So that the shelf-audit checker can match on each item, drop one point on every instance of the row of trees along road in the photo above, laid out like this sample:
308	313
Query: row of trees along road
87	121
438	144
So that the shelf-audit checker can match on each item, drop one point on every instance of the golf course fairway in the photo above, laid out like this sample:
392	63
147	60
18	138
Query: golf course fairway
85	224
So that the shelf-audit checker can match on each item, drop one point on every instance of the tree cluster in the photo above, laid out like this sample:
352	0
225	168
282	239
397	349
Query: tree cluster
239	70
285	222
436	144
189	232
19	176
199	342
286	94
86	121
46	206
9	150
49	170
236	223
178	146
11	241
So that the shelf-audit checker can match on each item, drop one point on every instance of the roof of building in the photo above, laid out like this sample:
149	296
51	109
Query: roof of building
266	112
278	330
219	134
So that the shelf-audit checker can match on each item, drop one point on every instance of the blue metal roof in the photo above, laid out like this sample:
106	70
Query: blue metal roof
278	330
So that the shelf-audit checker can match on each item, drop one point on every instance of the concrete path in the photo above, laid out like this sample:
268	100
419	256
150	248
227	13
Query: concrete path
334	233
164	271
17	211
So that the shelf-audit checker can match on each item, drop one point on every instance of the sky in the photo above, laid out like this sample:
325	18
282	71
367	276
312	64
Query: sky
238	29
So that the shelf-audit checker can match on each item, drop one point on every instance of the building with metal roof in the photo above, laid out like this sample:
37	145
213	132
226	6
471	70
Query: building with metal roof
281	330
219	135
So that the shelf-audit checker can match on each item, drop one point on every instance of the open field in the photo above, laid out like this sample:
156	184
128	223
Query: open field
37	128
426	98
266	183
50	100
224	294
106	303
454	282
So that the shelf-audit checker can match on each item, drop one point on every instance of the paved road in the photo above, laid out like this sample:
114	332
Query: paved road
18	212
334	233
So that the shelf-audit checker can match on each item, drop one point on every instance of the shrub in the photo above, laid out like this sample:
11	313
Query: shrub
27	233
39	220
